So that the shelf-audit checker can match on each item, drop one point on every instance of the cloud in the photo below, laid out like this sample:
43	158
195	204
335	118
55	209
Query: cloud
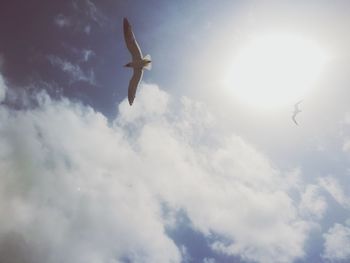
83	55
90	10
76	187
94	13
67	190
3	88
346	146
13	248
85	15
74	71
152	104
87	54
62	21
332	186
337	243
313	204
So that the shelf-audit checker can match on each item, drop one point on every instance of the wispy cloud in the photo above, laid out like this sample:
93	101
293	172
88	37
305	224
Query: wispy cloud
3	88
86	14
73	70
332	186
87	54
83	55
62	21
90	10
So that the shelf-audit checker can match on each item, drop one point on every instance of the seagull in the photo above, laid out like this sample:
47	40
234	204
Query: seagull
296	111
138	62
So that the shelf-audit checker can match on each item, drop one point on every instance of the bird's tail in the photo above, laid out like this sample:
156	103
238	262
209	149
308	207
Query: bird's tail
149	65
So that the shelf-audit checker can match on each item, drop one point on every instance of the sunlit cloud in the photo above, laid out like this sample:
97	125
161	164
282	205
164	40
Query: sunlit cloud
80	182
207	166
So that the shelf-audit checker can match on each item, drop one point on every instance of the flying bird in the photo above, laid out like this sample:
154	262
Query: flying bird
296	111
138	62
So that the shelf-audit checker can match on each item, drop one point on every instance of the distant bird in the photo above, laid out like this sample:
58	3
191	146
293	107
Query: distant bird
138	62
296	111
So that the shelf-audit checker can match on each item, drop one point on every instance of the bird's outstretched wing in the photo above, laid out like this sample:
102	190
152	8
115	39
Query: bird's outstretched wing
134	82
293	118
296	105
130	41
296	111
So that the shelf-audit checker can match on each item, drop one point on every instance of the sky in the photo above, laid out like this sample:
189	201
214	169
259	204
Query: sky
207	165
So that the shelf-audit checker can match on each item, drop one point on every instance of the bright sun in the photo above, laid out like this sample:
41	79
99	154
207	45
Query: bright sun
276	70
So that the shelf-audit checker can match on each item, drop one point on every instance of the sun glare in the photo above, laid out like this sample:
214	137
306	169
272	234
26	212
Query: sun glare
274	71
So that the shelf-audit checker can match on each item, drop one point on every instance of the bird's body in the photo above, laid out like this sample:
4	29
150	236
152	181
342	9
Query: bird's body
296	111
138	62
135	64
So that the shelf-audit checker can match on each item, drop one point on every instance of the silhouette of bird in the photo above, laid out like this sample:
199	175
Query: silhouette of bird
138	62
296	111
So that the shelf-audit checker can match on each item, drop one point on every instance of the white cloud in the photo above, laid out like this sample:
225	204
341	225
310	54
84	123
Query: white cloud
66	186
152	103
83	55
337	243
86	190
331	185
185	256
93	11
74	71
313	204
3	88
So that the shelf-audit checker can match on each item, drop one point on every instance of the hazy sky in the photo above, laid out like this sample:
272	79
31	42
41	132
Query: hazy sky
207	165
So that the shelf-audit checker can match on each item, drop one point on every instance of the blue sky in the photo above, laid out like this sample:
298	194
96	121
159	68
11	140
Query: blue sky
193	171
